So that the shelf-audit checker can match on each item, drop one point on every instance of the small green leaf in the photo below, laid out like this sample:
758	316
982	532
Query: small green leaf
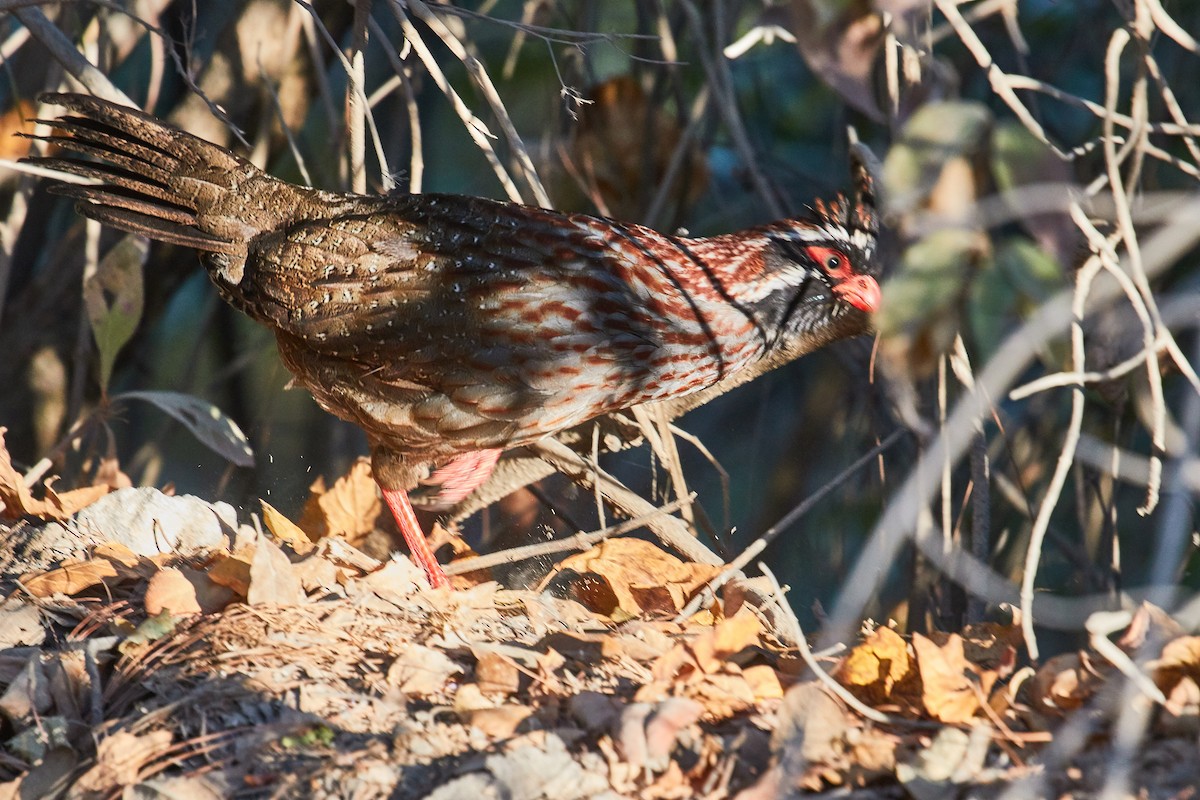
206	422
151	629
113	296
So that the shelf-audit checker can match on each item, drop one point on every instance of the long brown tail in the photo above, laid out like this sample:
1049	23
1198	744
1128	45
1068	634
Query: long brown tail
159	181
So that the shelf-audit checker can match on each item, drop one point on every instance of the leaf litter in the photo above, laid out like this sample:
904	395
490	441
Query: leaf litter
288	662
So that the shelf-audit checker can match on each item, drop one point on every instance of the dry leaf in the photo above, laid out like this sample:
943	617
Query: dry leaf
1063	683
120	759
395	580
73	577
19	501
421	670
121	554
588	648
500	722
170	591
348	509
947	692
627	577
729	637
495	673
271	577
670	718
233	571
723	695
763	680
874	668
285	530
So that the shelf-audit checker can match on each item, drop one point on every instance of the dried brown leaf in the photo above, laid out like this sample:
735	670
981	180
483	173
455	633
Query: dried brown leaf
669	719
495	673
947	692
500	722
730	636
233	571
170	590
120	759
588	648
875	668
19	501
272	580
421	670
1063	683
628	577
74	577
285	530
763	681
348	509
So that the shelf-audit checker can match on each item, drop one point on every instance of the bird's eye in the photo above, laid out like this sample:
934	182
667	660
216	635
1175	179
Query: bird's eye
833	262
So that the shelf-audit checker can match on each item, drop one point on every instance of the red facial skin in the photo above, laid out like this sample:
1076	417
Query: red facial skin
860	291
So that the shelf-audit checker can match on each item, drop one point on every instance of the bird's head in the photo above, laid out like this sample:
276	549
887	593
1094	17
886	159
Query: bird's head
819	274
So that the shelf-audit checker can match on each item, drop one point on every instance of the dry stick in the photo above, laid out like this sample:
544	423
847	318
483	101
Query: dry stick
579	541
997	78
1134	468
946	489
475	127
675	164
416	164
980	487
1060	379
980	519
72	60
1026	83
324	92
1120	39
1083	285
484	82
669	530
355	85
719	80
356	99
657	429
756	547
1165	246
722	473
1169	26
287	131
1169	101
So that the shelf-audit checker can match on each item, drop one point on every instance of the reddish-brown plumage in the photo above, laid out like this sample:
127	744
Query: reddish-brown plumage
451	328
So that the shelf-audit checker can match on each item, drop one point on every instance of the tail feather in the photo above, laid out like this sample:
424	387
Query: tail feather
103	146
133	184
154	227
155	180
131	126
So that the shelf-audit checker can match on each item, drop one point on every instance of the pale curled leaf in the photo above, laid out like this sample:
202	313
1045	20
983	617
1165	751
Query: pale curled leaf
206	422
16	499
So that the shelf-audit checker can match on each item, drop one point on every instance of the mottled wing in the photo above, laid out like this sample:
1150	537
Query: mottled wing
467	319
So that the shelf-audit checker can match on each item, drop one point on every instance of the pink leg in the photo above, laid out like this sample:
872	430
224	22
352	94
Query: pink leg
462	475
410	528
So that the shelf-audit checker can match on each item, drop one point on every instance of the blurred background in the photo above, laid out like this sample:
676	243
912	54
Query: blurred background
702	116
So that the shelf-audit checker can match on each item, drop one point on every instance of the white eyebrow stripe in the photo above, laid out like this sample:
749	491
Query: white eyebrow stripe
791	277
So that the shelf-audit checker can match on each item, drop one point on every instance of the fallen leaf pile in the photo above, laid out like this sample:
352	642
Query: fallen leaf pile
294	664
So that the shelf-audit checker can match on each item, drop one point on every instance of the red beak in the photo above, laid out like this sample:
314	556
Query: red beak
860	291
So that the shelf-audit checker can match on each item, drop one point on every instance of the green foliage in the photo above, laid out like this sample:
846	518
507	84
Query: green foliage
114	300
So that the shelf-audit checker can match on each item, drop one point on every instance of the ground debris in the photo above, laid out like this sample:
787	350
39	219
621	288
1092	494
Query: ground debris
305	667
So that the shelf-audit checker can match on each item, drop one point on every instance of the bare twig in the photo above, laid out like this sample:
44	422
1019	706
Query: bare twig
579	541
